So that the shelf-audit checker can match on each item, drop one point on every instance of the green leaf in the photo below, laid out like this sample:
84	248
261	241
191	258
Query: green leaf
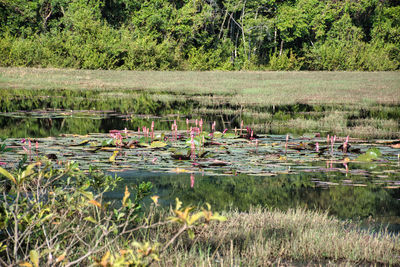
218	217
108	142
196	140
28	171
143	141
87	194
183	154
370	155
178	204
229	136
84	142
158	144
90	219
126	196
374	152
8	175
191	234
195	217
217	134
160	136
34	256
114	155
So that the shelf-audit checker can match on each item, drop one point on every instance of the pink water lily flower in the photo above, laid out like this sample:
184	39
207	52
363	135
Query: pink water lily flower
192	180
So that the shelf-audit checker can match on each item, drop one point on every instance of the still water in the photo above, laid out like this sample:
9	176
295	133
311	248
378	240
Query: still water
370	192
371	203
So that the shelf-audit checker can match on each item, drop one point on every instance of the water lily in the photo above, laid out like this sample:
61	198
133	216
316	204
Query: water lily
346	167
192	146
201	125
286	143
192	180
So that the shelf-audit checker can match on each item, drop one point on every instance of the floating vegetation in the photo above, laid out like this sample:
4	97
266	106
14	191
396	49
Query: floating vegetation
350	177
232	152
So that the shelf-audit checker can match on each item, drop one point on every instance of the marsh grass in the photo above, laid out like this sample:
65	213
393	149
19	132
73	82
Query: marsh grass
263	237
267	88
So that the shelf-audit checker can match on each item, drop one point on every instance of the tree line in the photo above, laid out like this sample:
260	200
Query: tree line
201	34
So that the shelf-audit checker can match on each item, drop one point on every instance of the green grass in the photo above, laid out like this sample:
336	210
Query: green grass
262	237
266	88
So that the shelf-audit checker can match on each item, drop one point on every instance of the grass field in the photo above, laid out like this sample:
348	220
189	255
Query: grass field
364	104
293	238
267	88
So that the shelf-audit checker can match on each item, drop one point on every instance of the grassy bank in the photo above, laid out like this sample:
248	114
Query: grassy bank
261	237
246	88
360	104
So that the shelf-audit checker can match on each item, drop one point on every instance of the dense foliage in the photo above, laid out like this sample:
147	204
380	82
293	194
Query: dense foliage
55	215
201	34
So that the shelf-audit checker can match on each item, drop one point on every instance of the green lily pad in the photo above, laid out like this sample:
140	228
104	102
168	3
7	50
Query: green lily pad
196	140
108	142
144	141
217	134
158	144
370	155
229	136
181	154
84	142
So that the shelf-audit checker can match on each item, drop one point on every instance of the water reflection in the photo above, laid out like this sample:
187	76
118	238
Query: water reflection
282	192
44	124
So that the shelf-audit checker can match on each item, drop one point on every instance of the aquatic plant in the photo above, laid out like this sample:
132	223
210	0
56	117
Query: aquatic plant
192	147
191	180
286	143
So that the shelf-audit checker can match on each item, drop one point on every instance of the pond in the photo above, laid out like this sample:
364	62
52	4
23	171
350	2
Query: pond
236	168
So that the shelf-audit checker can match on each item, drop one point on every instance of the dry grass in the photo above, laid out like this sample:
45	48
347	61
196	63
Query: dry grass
296	237
266	88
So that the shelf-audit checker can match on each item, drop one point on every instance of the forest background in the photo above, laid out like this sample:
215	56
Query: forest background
201	34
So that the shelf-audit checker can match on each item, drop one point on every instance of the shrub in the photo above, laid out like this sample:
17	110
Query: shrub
286	61
355	55
210	59
53	215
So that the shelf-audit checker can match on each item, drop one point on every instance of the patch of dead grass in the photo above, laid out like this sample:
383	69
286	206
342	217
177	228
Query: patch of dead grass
262	237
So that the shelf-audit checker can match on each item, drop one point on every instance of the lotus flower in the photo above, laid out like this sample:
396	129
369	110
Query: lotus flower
192	180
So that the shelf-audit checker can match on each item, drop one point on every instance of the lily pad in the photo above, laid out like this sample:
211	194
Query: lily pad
158	144
370	155
181	154
229	136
